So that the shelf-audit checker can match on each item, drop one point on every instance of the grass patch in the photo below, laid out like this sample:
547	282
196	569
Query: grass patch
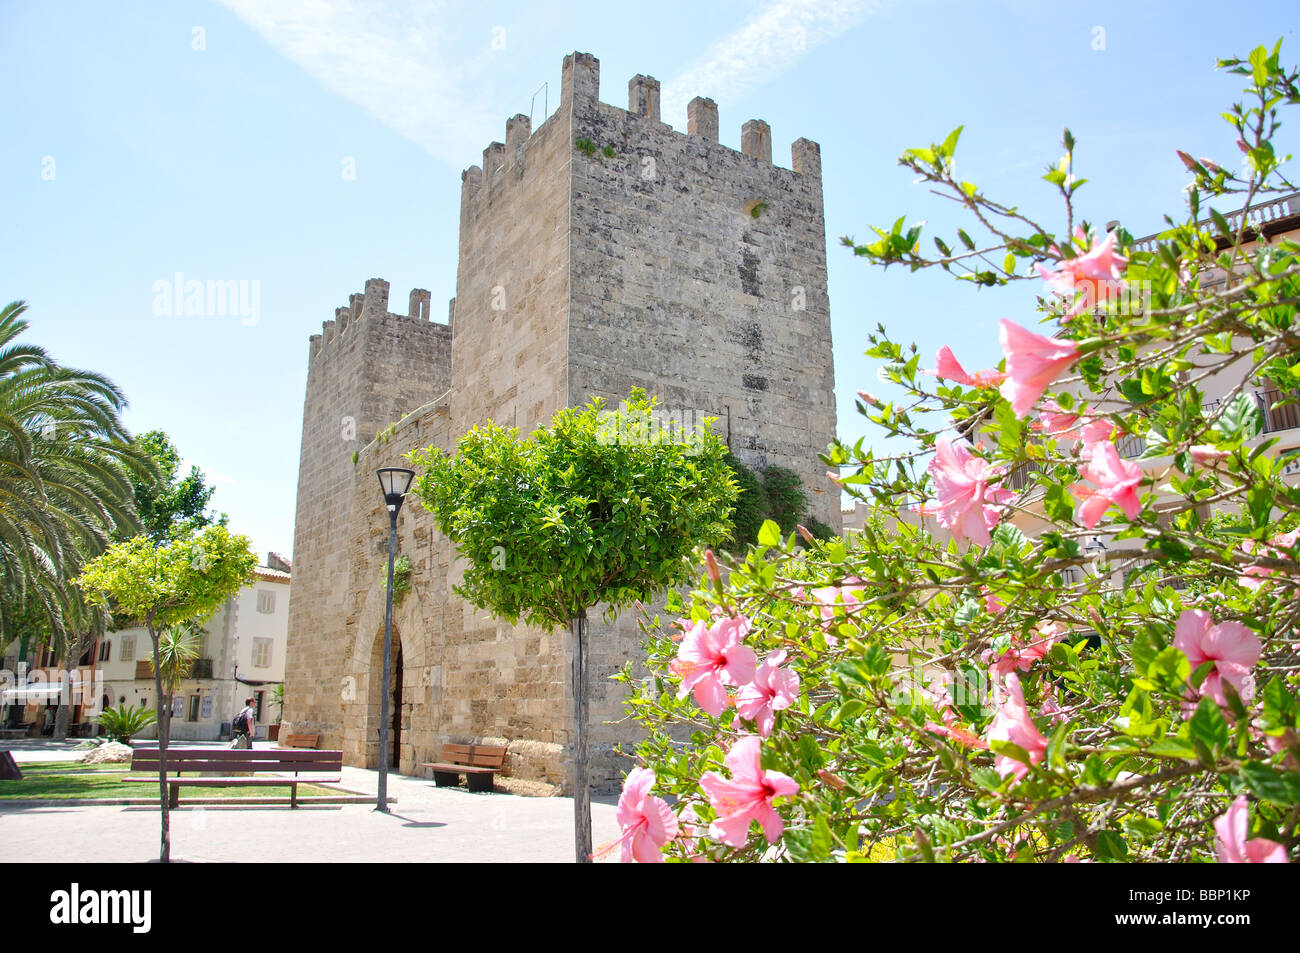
65	780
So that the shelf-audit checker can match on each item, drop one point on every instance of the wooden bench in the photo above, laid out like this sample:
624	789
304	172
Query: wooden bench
299	741
223	761
477	762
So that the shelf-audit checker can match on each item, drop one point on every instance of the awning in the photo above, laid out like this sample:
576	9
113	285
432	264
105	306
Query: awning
39	692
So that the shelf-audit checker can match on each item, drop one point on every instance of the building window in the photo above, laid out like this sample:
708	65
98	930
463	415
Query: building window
192	713
265	601
105	649
260	697
261	653
128	648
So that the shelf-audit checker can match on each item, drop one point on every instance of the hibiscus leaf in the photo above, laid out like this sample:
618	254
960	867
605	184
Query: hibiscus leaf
1110	845
769	534
1270	784
1209	727
1172	748
1240	418
1010	749
1279	705
1170	670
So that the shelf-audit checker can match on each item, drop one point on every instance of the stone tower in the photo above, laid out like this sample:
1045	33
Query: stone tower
602	252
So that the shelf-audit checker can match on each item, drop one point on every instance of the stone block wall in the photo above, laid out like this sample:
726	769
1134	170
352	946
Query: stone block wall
580	274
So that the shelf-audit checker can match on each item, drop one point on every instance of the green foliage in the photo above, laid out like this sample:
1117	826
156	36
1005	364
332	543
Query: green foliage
597	507
121	724
161	586
401	578
776	494
170	506
608	152
586	146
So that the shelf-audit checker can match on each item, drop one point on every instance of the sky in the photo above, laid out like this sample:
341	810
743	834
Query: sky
299	147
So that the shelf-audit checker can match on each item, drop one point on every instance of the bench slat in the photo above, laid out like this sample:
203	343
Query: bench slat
234	782
459	768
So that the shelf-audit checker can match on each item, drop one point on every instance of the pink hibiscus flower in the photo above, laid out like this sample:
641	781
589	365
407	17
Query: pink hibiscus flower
1033	363
747	796
1012	723
710	658
1100	261
828	597
647	821
1253	577
1021	655
1117	482
773	689
963	492
949	368
1230	841
1232	647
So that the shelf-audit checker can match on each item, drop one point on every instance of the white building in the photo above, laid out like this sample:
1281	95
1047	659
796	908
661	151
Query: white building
242	656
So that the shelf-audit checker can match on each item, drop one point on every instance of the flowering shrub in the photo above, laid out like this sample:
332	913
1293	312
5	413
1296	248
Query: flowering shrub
969	677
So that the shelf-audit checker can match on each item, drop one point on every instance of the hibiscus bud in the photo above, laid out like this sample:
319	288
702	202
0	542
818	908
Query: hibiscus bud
871	400
834	478
1096	618
711	566
834	780
1211	165
803	531
1241	144
1187	160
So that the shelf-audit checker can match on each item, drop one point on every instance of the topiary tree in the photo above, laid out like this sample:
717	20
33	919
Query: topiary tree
597	508
164	586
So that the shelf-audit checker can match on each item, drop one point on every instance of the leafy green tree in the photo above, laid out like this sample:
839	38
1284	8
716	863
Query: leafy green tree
171	506
162	587
597	508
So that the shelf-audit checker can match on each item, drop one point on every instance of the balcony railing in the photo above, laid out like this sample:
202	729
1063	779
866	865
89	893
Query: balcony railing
202	669
1279	418
1260	214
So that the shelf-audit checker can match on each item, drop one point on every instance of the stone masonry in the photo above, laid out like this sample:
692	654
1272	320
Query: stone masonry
602	252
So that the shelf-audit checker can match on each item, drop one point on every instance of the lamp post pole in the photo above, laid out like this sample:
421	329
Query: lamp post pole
395	482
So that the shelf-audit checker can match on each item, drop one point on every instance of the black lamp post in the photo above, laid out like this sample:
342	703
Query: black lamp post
395	482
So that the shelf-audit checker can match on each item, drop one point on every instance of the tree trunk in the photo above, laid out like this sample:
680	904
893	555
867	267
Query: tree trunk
164	728
64	713
581	785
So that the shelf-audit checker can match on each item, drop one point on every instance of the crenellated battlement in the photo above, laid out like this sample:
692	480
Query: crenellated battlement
580	92
368	304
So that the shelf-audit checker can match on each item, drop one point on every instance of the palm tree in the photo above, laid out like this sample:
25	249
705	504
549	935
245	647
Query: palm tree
173	660
66	464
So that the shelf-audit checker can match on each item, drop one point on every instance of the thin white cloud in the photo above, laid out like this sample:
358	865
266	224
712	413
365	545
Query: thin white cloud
769	43
390	59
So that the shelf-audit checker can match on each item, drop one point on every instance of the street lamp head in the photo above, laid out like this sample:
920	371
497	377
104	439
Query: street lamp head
394	483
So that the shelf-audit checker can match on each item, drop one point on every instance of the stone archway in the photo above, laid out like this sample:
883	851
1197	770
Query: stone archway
364	667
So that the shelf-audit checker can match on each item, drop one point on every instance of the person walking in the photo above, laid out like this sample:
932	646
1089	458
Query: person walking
244	725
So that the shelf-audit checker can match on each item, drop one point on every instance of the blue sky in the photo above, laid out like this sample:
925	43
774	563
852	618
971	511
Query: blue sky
212	139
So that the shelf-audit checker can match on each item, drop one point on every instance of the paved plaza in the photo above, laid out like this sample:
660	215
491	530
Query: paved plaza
427	824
